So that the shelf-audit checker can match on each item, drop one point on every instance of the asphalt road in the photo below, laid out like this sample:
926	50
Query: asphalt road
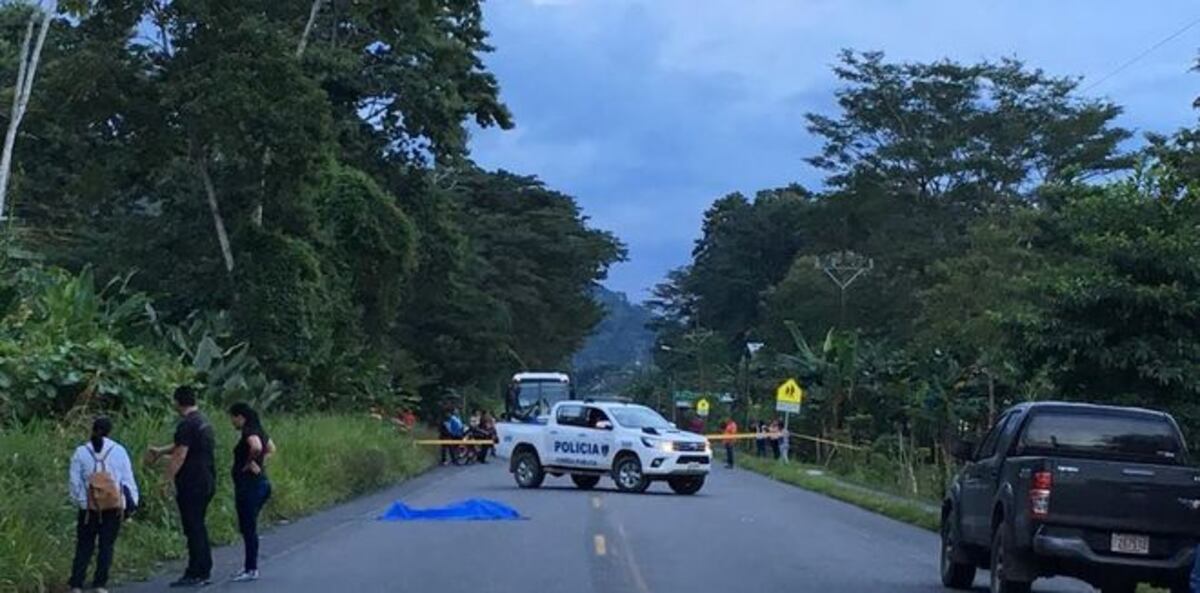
743	532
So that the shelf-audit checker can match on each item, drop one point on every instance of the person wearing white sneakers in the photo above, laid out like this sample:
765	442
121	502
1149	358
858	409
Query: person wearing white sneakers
102	486
251	488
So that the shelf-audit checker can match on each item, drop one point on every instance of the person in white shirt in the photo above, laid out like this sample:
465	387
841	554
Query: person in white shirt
102	502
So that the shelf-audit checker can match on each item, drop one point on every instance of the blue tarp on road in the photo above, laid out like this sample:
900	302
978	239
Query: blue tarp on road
472	509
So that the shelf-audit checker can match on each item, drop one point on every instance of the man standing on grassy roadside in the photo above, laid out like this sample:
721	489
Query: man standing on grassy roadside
193	471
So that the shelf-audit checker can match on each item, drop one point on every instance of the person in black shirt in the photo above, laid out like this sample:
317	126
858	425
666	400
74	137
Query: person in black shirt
251	489
192	469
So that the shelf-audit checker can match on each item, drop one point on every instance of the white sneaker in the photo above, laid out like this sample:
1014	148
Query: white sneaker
246	576
99	590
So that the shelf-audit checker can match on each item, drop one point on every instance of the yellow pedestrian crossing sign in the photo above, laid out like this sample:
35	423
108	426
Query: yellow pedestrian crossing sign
789	396
702	407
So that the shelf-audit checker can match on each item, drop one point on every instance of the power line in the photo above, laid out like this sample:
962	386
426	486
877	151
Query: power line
1138	57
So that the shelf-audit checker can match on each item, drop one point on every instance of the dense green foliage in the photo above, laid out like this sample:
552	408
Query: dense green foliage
61	346
354	455
310	186
1005	247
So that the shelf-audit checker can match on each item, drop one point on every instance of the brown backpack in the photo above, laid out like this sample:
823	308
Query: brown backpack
103	493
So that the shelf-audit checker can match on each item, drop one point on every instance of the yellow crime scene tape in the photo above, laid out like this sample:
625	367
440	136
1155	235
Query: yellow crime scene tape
711	437
454	442
769	435
719	436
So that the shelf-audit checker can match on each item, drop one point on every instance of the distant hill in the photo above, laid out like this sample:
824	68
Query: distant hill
619	344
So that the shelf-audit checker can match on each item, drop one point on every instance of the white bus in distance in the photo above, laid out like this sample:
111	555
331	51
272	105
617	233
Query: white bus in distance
530	396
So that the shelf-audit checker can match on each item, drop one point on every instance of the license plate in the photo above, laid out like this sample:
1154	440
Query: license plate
1124	543
693	466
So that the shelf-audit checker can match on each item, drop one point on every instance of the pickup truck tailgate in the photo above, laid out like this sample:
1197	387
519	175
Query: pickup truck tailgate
1125	497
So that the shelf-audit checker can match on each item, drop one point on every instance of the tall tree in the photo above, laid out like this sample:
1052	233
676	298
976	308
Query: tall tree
974	294
1118	309
745	248
411	69
977	134
541	261
27	66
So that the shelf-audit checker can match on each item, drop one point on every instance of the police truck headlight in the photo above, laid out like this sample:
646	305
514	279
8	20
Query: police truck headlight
665	446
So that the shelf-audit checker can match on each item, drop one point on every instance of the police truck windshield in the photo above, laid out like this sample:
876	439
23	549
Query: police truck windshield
639	417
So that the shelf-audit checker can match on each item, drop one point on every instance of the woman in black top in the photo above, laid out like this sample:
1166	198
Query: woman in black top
251	489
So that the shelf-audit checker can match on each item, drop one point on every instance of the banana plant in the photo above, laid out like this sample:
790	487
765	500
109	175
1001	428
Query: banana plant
830	374
228	373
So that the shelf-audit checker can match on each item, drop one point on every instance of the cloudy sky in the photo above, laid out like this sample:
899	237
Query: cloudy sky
647	110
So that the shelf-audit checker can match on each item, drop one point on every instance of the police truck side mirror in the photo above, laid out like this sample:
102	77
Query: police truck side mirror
604	425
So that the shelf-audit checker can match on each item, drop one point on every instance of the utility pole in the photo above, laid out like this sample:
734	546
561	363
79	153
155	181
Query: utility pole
671	383
843	268
752	348
674	406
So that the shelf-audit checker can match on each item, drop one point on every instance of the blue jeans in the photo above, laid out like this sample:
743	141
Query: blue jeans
249	496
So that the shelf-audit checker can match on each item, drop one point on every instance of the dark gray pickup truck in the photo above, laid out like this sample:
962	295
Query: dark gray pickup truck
1102	494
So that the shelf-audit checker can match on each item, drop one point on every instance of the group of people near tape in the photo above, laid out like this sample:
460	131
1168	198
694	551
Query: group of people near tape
767	435
103	487
480	426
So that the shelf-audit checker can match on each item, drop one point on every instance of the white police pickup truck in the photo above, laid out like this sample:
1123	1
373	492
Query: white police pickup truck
589	440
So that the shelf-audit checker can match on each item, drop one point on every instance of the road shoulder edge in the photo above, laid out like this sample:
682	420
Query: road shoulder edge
913	512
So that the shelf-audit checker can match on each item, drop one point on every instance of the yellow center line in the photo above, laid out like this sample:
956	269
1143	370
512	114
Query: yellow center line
599	544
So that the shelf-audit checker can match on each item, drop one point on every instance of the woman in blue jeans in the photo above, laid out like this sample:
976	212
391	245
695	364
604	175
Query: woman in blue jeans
251	489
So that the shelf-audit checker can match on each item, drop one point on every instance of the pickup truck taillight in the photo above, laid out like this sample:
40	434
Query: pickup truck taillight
1039	493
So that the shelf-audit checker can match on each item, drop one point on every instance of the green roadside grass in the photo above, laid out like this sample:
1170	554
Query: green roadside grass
797	474
322	460
912	512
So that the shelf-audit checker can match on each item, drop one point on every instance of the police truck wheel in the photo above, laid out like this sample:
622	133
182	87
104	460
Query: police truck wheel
628	475
528	470
687	484
585	482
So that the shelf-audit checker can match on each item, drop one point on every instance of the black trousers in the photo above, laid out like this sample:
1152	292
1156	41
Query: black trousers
193	508
91	526
729	453
483	453
249	496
